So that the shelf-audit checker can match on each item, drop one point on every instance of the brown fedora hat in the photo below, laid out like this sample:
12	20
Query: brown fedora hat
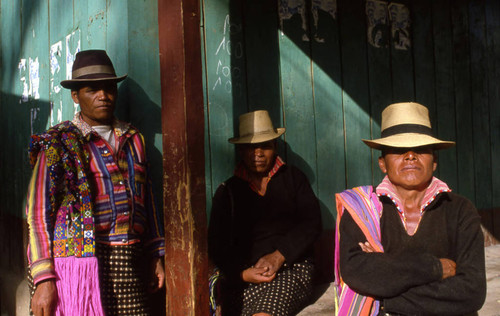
91	66
406	125
256	127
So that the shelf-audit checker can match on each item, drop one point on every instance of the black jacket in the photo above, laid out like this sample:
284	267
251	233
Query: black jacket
287	219
407	276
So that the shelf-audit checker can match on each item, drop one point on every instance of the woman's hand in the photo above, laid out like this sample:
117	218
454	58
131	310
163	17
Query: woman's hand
256	275
272	261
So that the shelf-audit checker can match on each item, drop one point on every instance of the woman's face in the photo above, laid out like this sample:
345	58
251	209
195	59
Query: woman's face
409	168
259	158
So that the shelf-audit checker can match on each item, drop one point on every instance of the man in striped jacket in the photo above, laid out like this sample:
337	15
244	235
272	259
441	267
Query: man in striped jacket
90	208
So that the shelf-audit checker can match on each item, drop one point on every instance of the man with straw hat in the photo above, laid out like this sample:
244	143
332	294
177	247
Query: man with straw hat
410	246
263	224
90	210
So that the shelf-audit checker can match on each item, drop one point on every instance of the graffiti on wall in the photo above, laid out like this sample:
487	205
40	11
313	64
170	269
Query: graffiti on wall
288	8
225	72
388	23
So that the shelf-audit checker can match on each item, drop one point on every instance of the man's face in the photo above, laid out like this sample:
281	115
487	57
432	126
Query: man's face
409	168
259	158
97	102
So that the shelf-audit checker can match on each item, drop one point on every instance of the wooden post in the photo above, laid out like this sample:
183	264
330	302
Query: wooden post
186	260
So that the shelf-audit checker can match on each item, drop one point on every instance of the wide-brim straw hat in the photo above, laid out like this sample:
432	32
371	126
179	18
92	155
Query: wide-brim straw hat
407	125
91	66
256	127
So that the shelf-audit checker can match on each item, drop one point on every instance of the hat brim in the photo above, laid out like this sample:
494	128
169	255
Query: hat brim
258	138
408	140
75	83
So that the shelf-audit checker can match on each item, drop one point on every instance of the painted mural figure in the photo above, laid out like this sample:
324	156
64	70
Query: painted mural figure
263	224
400	25
378	28
410	246
90	211
289	8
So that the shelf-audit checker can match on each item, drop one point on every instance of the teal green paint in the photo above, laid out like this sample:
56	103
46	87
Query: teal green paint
329	125
97	23
61	25
226	93
296	87
381	85
355	93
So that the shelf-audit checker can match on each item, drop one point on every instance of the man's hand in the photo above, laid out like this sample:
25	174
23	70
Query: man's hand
366	247
157	275
44	300
272	262
449	267
256	275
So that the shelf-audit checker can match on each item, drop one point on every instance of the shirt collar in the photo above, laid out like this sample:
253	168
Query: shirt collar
119	127
386	188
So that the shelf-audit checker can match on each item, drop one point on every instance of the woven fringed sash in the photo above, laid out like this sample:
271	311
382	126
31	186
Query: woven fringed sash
365	208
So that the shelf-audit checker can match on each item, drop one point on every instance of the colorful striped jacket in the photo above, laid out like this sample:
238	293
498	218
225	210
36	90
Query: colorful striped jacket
83	191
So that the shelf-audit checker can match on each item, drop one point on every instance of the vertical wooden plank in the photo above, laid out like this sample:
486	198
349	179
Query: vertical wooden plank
492	9
296	87
325	52
142	88
379	71
186	258
61	43
355	91
480	114
445	114
12	89
423	52
462	82
262	57
401	51
226	93
97	21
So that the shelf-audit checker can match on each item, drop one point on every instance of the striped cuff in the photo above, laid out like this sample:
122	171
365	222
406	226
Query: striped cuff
42	269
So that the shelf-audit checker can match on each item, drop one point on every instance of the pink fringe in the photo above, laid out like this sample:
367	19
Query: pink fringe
78	287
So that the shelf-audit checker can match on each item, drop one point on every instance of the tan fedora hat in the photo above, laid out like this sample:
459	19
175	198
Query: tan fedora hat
406	125
256	127
91	65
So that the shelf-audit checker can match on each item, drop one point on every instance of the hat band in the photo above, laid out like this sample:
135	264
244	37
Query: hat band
96	69
407	128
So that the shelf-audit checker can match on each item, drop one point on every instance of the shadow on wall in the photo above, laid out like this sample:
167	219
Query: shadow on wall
136	107
19	121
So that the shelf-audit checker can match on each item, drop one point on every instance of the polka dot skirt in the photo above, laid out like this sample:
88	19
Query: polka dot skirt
286	295
123	290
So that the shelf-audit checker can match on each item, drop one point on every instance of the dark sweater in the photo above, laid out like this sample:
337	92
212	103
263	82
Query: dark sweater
287	218
407	276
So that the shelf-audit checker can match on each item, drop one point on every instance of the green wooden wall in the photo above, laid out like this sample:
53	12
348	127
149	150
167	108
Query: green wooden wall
39	39
325	69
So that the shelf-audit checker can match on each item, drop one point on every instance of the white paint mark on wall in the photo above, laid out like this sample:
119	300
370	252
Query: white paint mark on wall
34	78
55	68
24	85
33	117
72	47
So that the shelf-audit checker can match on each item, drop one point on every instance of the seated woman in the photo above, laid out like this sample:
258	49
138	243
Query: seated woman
263	224
411	246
